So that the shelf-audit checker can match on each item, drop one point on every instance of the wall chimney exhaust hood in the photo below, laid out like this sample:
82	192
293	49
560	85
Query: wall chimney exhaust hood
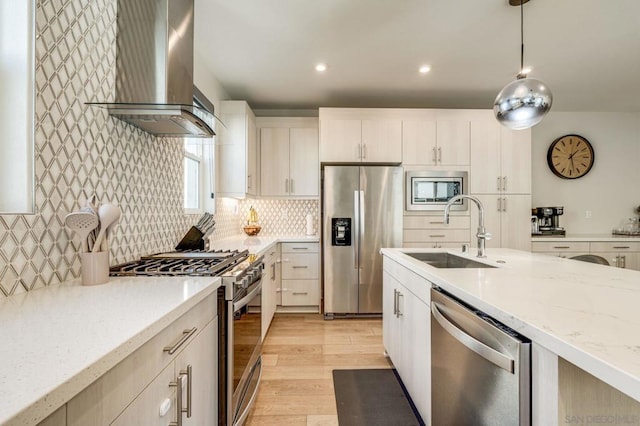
154	70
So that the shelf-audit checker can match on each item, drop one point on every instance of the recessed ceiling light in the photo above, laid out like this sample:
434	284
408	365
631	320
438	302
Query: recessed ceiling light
321	67
424	69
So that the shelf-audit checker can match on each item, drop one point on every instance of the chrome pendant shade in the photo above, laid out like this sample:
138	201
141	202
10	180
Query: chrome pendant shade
523	103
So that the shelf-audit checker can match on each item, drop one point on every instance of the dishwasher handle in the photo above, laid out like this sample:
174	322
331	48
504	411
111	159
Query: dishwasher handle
478	347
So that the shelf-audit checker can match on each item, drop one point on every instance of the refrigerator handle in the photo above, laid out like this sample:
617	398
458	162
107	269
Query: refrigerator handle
362	213
356	228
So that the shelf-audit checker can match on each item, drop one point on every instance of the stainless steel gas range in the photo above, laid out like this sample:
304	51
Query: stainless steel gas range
239	333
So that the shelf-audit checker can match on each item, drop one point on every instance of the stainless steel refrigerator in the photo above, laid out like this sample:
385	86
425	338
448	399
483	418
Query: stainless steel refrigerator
361	213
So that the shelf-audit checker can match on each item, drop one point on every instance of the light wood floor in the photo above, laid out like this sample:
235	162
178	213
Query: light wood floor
299	354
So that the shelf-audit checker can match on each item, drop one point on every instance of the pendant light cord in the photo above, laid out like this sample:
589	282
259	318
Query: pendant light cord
520	74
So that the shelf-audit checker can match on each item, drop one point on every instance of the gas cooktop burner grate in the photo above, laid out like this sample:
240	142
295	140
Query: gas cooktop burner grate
187	263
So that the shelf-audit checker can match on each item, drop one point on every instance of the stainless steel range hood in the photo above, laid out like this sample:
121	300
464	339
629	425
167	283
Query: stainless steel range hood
154	70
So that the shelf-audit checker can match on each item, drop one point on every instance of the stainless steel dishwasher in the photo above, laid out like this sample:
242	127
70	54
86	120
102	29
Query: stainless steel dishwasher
480	369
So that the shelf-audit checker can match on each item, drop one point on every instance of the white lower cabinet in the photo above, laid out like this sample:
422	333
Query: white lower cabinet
270	286
300	275
406	332
143	388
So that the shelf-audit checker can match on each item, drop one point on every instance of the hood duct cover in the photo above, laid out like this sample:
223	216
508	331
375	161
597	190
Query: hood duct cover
154	69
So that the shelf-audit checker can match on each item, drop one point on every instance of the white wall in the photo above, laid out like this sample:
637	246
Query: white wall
611	190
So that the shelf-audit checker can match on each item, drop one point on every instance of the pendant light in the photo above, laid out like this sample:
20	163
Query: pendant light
522	103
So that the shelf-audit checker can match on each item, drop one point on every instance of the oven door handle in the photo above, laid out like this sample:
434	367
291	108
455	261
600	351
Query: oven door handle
245	300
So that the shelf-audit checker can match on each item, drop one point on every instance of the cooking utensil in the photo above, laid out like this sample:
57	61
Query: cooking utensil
109	214
82	223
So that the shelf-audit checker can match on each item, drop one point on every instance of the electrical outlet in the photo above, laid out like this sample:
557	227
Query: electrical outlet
587	214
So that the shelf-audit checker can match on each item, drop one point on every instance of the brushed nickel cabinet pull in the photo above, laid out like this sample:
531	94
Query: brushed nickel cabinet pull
437	223
300	248
561	247
189	373
291	187
435	159
399	314
395	299
300	267
185	336
299	293
178	384
499	185
364	151
437	236
504	183
439	155
286	186
621	247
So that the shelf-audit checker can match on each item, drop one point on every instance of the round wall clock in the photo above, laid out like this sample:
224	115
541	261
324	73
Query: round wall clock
570	156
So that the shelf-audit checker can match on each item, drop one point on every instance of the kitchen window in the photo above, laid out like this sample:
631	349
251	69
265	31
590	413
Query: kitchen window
198	176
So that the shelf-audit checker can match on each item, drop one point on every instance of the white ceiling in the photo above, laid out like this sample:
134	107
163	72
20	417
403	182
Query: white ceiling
586	51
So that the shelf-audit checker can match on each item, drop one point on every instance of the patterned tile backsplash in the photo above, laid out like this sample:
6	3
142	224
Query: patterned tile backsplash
81	151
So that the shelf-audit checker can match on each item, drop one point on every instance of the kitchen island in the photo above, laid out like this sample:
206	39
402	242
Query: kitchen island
583	313
58	340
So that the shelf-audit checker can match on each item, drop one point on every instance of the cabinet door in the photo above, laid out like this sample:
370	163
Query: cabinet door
419	142
340	140
252	156
416	341
515	156
274	161
453	142
202	355
485	157
390	323
301	293
381	141
145	409
492	219
516	222
304	162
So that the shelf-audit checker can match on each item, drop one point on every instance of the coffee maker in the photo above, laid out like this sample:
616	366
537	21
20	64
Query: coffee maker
546	221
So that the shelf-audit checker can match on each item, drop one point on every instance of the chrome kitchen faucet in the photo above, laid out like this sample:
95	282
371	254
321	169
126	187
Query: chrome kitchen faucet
482	233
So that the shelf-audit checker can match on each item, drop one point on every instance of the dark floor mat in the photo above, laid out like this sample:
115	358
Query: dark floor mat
373	397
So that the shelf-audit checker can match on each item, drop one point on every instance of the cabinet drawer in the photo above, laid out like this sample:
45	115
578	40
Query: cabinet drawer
103	400
565	247
300	248
432	235
300	292
300	266
436	222
615	246
443	245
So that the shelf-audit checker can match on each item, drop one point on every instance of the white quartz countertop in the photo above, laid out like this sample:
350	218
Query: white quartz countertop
258	244
57	340
586	313
587	237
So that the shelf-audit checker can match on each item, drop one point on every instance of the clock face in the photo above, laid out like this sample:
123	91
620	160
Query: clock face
570	157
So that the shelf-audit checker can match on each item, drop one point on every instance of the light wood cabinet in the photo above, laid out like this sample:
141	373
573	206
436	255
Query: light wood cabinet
506	218
431	231
620	254
134	391
500	158
289	163
352	135
406	331
236	151
300	275
436	142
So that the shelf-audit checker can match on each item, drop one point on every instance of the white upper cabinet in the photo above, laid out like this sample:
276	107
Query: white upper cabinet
236	151
500	176
353	135
289	165
500	158
436	142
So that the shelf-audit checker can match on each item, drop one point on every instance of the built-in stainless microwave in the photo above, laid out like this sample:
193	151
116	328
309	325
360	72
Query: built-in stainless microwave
432	190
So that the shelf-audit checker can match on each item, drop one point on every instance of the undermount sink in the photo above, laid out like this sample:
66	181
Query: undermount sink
447	260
